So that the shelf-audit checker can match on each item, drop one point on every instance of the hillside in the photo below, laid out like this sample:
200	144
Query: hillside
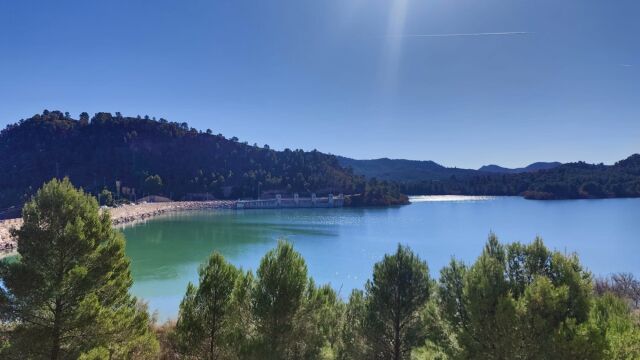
540	180
568	181
162	157
537	166
403	170
414	170
174	160
582	180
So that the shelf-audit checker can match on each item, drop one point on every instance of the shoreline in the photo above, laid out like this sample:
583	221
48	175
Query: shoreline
121	215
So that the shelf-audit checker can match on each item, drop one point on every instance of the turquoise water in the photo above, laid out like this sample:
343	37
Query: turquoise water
341	245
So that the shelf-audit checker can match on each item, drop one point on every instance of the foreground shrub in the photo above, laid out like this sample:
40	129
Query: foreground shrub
621	328
519	301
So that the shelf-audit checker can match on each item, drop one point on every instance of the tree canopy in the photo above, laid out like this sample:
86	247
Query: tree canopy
206	311
519	301
68	295
394	299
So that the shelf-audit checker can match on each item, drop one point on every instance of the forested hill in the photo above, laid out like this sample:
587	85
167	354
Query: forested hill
537	166
542	181
417	170
162	157
172	159
568	181
403	170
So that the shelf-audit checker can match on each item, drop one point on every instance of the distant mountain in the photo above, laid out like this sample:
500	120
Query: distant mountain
415	170
541	180
537	166
403	170
577	180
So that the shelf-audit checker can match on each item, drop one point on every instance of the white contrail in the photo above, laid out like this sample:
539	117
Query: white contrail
506	33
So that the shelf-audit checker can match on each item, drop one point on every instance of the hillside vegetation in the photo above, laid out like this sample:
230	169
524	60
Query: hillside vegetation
172	159
162	157
541	181
568	181
529	168
401	170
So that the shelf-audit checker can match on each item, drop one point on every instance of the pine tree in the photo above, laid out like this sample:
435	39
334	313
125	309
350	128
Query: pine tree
353	345
68	294
243	334
278	298
519	302
395	298
316	324
206	314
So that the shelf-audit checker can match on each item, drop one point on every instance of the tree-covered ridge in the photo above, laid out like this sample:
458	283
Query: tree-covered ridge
406	171
169	158
402	170
568	181
151	157
537	166
540	181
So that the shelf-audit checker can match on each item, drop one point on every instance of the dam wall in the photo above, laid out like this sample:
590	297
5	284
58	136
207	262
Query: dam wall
278	202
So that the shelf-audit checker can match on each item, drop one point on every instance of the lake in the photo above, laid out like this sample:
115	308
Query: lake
341	245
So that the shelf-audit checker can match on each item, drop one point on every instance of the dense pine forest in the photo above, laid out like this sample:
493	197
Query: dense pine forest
149	156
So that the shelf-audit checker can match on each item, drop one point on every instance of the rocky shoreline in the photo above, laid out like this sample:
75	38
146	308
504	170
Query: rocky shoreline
120	215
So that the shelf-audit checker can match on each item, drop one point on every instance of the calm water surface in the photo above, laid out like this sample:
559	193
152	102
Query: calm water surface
341	245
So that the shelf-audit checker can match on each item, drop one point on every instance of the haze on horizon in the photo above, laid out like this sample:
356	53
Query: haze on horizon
463	83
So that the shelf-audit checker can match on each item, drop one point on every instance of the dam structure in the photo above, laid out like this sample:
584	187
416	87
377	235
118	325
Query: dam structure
278	202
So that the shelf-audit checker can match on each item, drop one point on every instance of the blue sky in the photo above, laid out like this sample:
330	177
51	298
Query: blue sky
463	83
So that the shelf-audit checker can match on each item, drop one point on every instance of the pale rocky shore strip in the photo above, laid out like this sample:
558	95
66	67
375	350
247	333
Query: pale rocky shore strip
121	215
